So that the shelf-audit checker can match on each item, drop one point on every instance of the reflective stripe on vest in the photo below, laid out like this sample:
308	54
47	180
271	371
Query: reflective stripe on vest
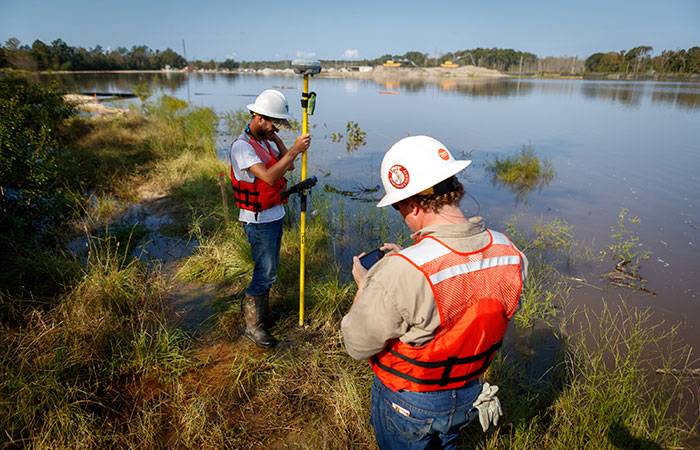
475	293
258	195
473	266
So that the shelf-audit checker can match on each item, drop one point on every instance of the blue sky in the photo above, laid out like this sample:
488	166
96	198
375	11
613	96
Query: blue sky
259	29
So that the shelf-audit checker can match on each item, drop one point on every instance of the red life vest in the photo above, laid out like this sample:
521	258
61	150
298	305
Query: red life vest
257	196
476	294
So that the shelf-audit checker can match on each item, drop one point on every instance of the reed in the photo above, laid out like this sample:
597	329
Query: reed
522	173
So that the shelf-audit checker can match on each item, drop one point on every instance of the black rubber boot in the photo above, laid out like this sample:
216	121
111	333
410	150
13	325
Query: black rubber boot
254	310
270	316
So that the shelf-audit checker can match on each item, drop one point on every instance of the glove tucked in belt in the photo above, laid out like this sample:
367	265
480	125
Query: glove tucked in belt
488	405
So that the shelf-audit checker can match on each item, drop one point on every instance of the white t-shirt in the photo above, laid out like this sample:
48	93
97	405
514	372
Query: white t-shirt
242	156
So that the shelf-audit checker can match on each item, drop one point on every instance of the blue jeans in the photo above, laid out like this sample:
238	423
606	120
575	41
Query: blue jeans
265	241
421	420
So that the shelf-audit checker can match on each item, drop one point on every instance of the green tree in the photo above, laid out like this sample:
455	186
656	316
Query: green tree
169	58
63	55
229	64
41	53
610	62
4	61
639	57
418	58
592	63
31	116
694	60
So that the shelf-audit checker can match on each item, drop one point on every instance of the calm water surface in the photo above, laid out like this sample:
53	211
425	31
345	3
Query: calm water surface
613	145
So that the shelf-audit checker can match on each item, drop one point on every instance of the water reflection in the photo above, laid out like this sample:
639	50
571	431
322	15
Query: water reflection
472	88
674	94
627	94
679	95
677	98
116	82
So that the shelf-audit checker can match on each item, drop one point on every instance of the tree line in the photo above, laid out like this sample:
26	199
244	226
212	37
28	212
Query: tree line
637	61
61	56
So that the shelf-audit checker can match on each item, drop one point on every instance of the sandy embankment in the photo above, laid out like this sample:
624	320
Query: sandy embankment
91	105
423	73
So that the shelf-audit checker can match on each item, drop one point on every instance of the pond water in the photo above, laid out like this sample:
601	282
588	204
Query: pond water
612	144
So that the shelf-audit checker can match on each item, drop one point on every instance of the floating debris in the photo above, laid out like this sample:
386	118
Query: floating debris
356	194
389	92
626	275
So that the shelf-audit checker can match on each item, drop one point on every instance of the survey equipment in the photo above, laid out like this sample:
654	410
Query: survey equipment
307	69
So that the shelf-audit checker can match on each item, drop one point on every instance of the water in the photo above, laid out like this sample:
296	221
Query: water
612	144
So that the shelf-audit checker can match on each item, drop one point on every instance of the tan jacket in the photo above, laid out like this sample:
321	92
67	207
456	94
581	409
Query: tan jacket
397	301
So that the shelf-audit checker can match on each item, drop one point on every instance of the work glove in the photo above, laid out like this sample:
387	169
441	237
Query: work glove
488	405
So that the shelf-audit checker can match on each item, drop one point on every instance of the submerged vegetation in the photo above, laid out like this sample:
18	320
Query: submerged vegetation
354	137
627	253
522	173
92	356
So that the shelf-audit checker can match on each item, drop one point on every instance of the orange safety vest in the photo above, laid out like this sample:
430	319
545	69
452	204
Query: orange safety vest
257	196
476	294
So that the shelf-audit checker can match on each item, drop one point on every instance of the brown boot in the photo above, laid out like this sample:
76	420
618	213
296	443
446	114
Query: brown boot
254	310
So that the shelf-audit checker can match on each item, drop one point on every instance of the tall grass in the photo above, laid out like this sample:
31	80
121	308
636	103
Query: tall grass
88	356
64	371
321	396
100	366
522	173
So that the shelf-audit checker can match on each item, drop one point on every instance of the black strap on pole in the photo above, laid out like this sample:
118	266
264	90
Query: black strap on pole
302	201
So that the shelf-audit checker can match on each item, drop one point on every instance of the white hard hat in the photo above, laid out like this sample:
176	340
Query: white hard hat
414	164
271	103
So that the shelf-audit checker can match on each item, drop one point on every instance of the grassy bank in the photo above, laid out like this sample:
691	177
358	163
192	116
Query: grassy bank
91	357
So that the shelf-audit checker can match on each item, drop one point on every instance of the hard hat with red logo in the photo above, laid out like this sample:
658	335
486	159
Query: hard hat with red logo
414	164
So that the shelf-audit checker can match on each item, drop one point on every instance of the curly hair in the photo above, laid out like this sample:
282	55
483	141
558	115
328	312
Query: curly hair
435	202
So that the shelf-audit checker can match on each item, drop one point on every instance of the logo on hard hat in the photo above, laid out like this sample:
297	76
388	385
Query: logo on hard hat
444	154
398	176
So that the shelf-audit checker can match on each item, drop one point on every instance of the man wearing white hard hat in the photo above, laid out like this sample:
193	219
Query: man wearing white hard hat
430	317
259	159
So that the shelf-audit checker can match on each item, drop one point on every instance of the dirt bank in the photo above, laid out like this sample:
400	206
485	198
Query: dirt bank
91	105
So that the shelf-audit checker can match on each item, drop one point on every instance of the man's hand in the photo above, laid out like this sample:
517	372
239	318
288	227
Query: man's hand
390	248
301	144
358	270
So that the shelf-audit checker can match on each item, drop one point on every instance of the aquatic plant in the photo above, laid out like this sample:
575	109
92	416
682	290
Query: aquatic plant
354	138
625	250
545	291
522	173
625	245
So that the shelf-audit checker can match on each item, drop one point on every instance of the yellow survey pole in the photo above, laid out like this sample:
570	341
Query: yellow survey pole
306	68
302	259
